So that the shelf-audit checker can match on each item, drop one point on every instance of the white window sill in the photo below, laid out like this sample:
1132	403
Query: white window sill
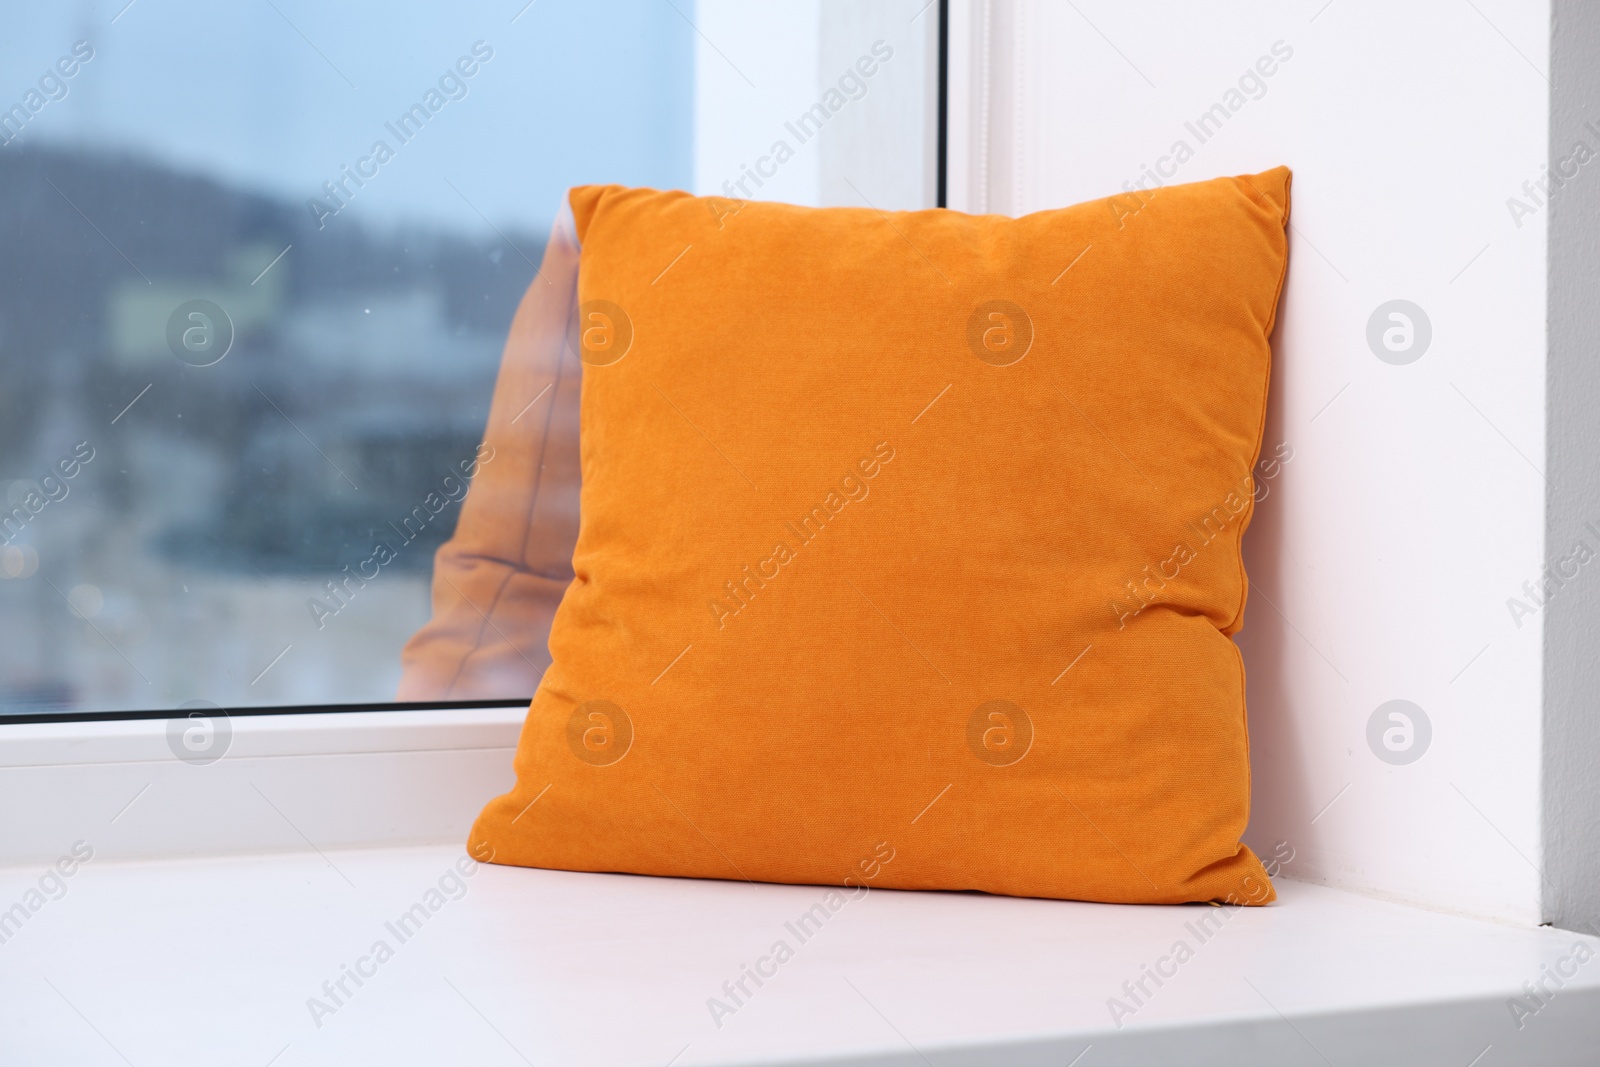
213	960
338	780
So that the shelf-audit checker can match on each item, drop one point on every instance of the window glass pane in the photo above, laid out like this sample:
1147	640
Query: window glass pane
257	266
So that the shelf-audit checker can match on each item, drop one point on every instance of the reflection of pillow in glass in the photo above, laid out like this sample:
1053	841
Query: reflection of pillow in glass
497	581
909	550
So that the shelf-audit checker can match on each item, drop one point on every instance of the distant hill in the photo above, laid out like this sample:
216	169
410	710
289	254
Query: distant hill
380	346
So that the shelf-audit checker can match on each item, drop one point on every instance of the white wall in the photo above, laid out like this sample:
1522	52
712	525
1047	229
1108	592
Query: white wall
1414	505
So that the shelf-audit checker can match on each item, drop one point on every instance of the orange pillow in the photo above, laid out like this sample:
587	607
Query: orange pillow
909	547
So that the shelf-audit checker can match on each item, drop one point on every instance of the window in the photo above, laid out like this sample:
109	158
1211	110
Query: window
257	263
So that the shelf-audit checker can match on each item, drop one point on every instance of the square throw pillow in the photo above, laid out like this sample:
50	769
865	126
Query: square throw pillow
909	547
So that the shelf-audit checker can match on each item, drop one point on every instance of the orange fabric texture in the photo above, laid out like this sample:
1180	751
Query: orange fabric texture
498	579
909	549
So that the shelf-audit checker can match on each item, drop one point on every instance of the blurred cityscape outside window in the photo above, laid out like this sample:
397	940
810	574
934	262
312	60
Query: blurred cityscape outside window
257	263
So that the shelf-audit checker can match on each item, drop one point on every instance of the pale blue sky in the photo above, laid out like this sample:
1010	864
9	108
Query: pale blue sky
259	94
